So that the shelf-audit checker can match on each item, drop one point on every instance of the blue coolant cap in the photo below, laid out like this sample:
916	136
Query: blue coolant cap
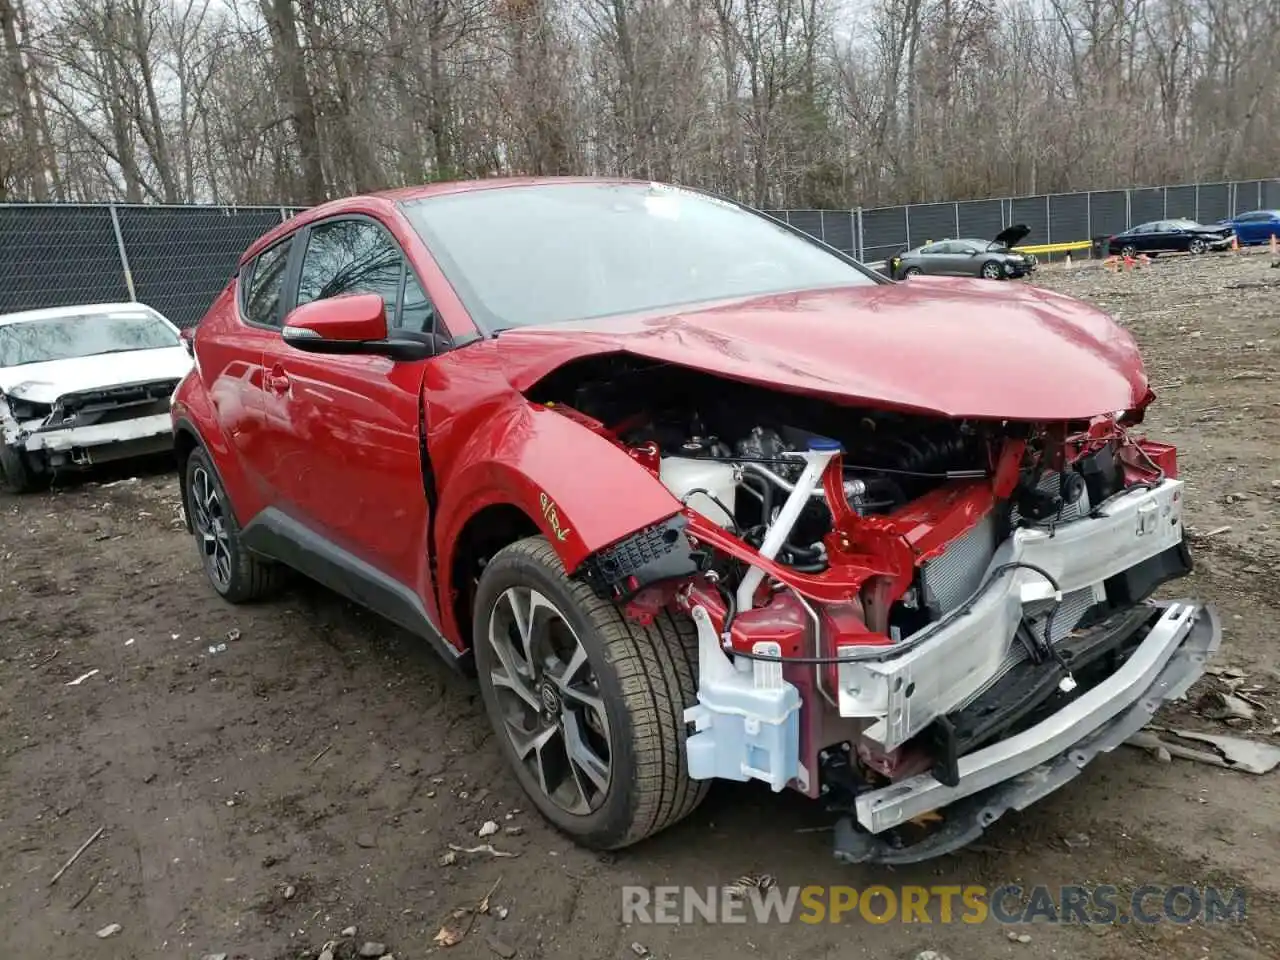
823	445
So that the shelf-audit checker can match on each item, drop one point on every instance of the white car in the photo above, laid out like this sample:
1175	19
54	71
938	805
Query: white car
84	385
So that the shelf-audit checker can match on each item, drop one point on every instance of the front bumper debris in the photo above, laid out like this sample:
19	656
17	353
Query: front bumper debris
100	443
904	688
1021	769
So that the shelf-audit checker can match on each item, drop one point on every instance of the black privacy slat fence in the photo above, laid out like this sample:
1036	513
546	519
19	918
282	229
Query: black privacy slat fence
177	258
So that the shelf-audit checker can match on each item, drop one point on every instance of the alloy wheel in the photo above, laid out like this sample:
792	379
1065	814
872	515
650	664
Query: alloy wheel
1128	251
1197	246
991	271
210	520
549	699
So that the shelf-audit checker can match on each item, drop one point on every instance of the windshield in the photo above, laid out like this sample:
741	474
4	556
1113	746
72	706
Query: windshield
520	256
86	335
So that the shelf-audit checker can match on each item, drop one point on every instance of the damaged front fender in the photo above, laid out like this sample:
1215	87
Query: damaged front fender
584	492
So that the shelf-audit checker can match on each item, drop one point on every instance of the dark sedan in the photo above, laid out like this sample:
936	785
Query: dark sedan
992	259
1170	236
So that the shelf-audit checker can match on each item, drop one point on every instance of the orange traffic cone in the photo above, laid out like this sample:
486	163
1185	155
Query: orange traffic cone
1275	248
1235	244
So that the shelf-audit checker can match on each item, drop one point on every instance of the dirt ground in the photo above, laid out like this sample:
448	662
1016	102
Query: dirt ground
265	777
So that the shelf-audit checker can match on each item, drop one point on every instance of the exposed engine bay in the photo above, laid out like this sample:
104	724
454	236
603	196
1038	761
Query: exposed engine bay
887	601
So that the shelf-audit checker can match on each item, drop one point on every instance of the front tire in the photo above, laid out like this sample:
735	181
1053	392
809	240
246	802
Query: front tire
236	574
14	471
588	706
1197	246
991	270
910	272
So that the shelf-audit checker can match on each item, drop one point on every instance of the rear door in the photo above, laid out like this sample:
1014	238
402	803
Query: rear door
935	259
245	321
345	430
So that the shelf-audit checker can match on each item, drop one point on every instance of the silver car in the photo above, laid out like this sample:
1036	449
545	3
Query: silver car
990	259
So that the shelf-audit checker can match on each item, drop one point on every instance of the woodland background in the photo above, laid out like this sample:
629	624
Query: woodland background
781	103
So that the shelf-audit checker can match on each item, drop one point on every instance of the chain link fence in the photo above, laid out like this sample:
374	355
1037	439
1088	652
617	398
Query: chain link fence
875	234
177	258
173	258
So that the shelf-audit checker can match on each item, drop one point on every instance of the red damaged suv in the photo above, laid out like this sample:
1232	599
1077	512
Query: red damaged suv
699	497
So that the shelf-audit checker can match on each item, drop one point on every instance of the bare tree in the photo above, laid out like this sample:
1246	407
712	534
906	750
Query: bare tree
779	102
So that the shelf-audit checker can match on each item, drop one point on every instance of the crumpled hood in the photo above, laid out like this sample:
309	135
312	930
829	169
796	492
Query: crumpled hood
46	382
942	346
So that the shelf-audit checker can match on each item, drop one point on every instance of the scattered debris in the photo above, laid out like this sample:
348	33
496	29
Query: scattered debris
1228	706
740	887
41	663
483	848
214	956
365	840
513	831
349	932
312	762
448	859
1076	841
81	679
110	930
453	931
1236	752
76	856
1016	937
217	647
639	949
501	912
233	634
488	830
373	949
290	892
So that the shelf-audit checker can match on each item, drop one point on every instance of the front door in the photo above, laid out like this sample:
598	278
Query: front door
346	459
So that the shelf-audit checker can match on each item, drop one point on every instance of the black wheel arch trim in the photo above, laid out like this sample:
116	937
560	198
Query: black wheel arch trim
277	536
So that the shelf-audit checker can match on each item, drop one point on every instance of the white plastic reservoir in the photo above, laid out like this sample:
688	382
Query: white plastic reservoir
681	475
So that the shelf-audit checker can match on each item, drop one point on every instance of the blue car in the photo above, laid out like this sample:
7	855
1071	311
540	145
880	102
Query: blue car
1256	226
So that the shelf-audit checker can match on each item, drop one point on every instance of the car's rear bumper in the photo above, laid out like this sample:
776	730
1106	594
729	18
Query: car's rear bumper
1018	770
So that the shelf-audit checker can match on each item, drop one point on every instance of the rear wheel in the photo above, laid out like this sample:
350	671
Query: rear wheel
991	270
234	572
15	471
1129	251
588	707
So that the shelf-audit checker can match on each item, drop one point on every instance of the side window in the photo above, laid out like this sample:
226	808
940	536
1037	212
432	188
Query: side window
351	256
416	312
265	297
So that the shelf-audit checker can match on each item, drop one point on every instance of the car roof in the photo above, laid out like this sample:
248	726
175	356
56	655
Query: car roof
387	200
79	310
